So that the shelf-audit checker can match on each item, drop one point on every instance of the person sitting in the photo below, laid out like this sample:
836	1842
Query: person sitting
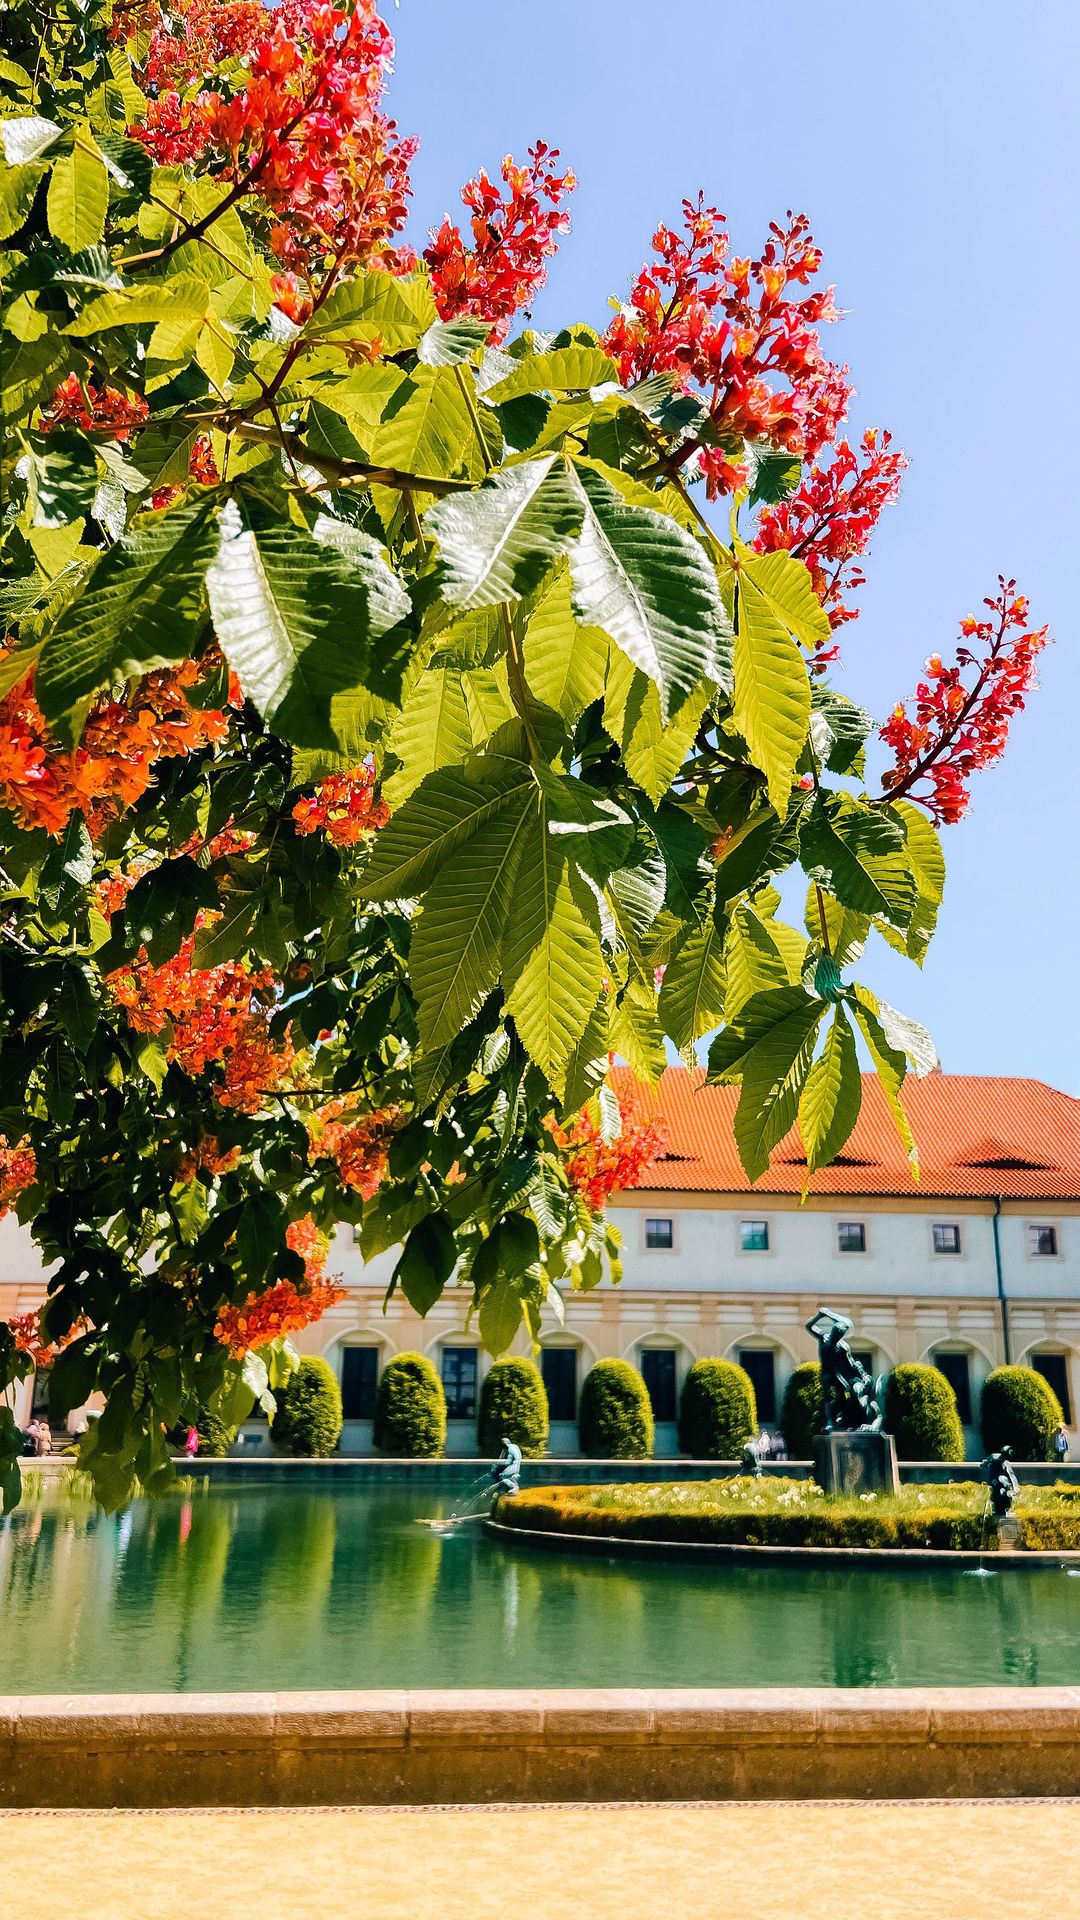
43	1442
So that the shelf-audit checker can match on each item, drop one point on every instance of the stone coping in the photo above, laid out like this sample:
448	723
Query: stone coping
565	1468
505	1746
550	1539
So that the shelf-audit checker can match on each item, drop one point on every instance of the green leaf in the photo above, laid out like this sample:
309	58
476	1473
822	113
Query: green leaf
551	961
426	428
563	370
26	139
432	730
646	582
295	622
838	731
62	478
907	1036
636	1032
455	948
260	1237
500	1316
652	750
858	854
754	961
785	586
772	689
767	1009
142	305
847	931
776	474
427	1260
774	1074
141	609
445	811
18	187
448	342
832	1096
376	305
923	848
891	1066
565	664
692	993
79	194
68	869
497	543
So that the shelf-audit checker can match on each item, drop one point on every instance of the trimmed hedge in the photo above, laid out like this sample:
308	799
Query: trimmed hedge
717	1410
308	1417
514	1404
801	1415
921	1414
615	1416
1020	1410
410	1408
215	1438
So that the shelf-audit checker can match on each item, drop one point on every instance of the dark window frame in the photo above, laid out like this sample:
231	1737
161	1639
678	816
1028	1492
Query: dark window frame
1058	1378
358	1397
558	1400
946	1227
460	1401
1035	1229
767	1400
659	1246
851	1226
745	1226
663	1392
964	1402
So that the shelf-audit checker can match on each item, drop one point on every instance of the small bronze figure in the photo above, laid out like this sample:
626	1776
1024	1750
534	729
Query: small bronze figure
849	1402
1001	1479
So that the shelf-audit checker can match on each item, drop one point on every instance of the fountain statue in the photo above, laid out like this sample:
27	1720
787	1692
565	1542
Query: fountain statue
851	1454
1001	1479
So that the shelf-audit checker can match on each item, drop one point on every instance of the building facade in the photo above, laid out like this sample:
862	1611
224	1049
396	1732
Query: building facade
977	1264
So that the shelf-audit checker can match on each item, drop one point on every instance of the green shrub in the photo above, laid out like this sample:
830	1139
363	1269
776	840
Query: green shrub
615	1417
215	1438
717	1411
513	1403
1020	1410
801	1415
921	1415
410	1408
308	1417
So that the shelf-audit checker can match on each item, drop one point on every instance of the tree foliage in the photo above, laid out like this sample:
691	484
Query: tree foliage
921	1414
717	1411
383	714
1020	1410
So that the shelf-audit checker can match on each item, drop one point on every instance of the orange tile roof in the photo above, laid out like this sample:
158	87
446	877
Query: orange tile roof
978	1136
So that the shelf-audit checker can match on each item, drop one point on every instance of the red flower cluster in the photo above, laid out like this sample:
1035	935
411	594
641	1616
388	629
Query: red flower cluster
18	1170
962	713
214	1016
294	119
282	1309
344	807
830	518
513	237
303	1237
78	403
598	1167
111	768
202	468
357	1143
731	328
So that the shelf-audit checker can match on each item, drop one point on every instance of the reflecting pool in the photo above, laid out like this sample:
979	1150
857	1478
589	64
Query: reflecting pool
328	1582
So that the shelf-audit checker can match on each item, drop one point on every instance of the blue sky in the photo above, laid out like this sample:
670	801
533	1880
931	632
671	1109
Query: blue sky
936	149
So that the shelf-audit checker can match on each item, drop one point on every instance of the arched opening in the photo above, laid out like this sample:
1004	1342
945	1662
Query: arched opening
965	1368
663	1362
769	1364
1055	1364
358	1357
461	1365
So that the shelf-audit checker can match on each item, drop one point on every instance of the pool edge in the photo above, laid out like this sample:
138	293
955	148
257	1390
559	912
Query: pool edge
473	1747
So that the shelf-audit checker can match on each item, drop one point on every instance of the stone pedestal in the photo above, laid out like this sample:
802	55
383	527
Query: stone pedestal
855	1463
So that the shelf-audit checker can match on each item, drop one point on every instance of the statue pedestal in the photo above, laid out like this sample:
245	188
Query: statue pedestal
856	1463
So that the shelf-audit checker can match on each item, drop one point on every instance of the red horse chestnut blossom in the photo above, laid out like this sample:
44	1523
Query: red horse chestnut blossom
597	1167
962	713
344	806
731	329
358	1143
18	1170
513	237
829	520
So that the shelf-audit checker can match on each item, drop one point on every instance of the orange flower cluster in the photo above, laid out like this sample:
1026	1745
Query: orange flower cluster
303	1237
214	1017
358	1144
263	1317
88	403
111	768
202	468
207	1158
29	1339
598	1167
18	1170
344	807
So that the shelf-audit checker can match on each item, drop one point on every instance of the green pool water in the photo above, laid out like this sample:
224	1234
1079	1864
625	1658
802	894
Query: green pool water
329	1583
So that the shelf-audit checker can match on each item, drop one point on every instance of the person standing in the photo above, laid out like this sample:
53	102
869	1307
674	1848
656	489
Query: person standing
1061	1446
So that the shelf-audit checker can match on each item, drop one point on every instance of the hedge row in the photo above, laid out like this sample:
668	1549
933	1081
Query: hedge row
1019	1410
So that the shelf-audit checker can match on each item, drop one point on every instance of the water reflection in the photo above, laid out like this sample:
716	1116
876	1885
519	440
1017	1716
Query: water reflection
293	1585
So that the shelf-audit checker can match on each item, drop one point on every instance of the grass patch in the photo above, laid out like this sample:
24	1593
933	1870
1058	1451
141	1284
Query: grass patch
741	1511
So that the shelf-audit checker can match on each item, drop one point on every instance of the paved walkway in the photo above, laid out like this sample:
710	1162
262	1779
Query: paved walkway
781	1860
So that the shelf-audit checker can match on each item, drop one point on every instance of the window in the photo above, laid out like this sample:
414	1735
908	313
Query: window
754	1236
762	1370
850	1237
1055	1371
559	1368
660	1235
955	1368
658	1373
359	1378
459	1382
946	1237
1042	1240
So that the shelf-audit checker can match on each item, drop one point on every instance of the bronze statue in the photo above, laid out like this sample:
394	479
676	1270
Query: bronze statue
1002	1482
849	1402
